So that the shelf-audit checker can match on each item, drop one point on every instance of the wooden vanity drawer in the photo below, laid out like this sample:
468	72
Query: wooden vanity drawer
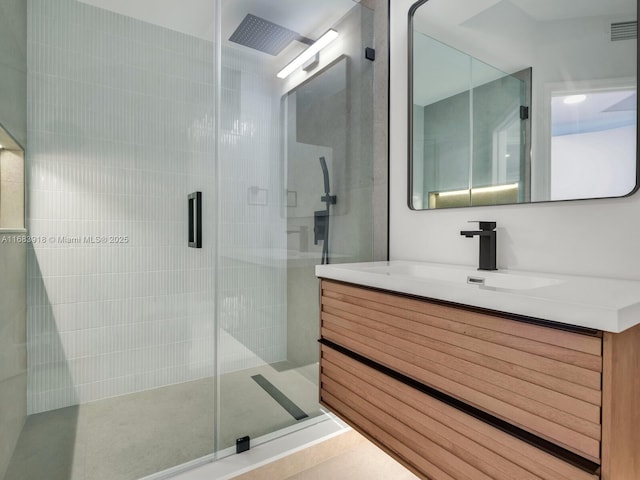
543	380
433	439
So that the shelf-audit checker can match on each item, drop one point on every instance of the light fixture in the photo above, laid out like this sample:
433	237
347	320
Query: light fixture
453	193
328	37
1	147
573	99
494	188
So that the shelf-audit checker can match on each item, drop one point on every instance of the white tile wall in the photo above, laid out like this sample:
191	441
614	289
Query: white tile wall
252	273
119	133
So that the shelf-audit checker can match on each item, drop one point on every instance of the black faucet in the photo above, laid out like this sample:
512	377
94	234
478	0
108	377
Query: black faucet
487	234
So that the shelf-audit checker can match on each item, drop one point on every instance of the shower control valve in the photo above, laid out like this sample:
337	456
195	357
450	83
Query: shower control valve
330	199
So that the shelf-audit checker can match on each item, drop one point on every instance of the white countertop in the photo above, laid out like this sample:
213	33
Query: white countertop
598	303
277	257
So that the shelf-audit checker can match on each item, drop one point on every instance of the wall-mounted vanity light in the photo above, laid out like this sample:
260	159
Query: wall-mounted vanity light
328	37
491	195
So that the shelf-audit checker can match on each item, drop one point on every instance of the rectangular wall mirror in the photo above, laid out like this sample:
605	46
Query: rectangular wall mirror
518	101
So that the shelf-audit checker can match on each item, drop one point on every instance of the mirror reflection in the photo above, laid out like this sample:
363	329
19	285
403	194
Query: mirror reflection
516	101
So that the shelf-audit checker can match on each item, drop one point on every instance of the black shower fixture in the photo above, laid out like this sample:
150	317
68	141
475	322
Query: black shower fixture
265	36
321	217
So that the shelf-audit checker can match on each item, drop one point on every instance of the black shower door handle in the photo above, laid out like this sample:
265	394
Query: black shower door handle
195	219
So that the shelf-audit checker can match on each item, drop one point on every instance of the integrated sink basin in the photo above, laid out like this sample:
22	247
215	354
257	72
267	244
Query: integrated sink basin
464	275
607	304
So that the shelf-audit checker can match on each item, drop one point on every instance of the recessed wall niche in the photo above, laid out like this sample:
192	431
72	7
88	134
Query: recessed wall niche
11	183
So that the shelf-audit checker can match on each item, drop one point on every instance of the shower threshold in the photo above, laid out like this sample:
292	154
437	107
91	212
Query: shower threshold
265	449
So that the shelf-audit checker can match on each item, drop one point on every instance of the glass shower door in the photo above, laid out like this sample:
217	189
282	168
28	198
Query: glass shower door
272	134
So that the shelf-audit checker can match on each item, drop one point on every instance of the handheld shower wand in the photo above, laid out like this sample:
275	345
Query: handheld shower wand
322	226
325	174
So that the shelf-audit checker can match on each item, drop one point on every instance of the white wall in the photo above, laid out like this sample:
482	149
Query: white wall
594	237
605	161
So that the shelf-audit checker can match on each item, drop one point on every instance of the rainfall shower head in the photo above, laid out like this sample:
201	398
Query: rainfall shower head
263	35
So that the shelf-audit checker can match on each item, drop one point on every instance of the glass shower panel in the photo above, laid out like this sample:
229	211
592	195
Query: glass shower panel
272	135
498	123
441	127
120	311
471	138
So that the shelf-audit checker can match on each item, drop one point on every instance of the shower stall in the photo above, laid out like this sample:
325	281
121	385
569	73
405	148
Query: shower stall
169	316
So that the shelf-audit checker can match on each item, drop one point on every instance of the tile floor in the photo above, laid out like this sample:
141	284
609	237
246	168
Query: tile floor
128	437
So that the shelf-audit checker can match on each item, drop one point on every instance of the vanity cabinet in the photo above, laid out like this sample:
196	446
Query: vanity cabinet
459	393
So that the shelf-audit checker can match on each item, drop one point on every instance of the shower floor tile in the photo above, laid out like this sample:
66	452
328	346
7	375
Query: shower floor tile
128	437
242	397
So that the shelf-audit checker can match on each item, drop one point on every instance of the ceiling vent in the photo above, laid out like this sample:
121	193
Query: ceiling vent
624	31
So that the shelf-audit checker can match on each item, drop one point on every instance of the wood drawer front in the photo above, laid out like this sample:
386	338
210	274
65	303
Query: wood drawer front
433	439
542	380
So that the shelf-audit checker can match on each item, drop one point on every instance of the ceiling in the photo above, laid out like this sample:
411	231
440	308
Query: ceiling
515	34
599	111
549	10
456	12
196	17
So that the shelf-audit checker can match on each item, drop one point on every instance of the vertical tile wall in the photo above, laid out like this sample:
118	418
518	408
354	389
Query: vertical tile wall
252	269
13	349
13	113
120	131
